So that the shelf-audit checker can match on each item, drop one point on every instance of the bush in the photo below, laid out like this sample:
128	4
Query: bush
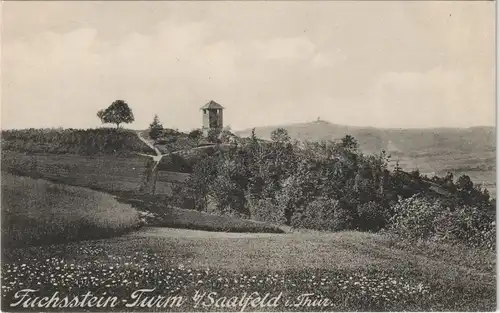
323	214
265	210
175	163
372	216
190	219
213	135
154	133
466	224
170	132
195	134
425	219
414	218
285	179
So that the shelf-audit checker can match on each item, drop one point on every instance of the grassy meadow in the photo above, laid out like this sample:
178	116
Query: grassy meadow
356	271
122	177
104	173
36	211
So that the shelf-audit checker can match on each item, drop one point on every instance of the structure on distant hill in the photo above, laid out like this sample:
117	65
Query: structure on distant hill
212	116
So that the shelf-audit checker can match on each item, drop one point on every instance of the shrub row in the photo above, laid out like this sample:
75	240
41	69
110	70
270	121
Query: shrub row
73	141
332	186
418	218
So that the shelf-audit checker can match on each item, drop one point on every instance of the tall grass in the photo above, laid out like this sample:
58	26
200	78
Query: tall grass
105	173
35	211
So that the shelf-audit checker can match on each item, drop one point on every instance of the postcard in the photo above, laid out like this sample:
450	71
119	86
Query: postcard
248	156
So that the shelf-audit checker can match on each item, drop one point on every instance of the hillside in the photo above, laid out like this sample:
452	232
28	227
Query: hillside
51	213
100	141
435	151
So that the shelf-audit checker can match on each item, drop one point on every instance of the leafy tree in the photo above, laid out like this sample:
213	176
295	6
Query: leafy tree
349	143
448	181
486	194
195	134
372	216
198	184
171	132
213	135
253	136
225	134
464	183
397	168
155	128
322	214
279	135
326	185
415	173
117	113
228	187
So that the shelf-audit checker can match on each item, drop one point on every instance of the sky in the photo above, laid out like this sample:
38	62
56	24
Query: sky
403	64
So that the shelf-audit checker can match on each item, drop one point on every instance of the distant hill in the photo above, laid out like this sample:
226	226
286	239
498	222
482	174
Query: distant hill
371	139
437	151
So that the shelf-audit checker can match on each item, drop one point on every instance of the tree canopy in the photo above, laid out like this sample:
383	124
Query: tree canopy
117	113
328	185
155	128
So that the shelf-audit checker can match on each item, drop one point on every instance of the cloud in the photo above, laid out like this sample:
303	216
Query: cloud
170	72
285	48
328	59
434	98
295	62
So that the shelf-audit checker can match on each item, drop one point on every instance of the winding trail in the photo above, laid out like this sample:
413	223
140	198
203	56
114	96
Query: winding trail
147	142
151	175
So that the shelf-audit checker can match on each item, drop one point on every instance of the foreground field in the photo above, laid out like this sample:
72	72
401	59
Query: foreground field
35	211
355	271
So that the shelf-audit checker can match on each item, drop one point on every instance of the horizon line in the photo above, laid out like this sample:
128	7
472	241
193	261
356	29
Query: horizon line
283	125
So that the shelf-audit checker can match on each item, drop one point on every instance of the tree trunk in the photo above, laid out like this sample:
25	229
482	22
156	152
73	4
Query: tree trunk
117	125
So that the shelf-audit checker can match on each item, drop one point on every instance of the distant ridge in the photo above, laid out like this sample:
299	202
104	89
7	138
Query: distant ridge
372	139
470	151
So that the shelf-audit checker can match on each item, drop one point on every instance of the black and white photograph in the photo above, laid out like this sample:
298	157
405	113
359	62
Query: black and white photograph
248	156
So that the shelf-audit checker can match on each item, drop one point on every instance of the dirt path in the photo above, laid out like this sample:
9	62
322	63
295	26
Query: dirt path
148	142
149	182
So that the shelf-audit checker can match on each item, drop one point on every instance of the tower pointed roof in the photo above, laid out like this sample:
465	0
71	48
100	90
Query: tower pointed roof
212	105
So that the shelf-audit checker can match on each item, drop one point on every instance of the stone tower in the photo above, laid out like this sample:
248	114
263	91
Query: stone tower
212	116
